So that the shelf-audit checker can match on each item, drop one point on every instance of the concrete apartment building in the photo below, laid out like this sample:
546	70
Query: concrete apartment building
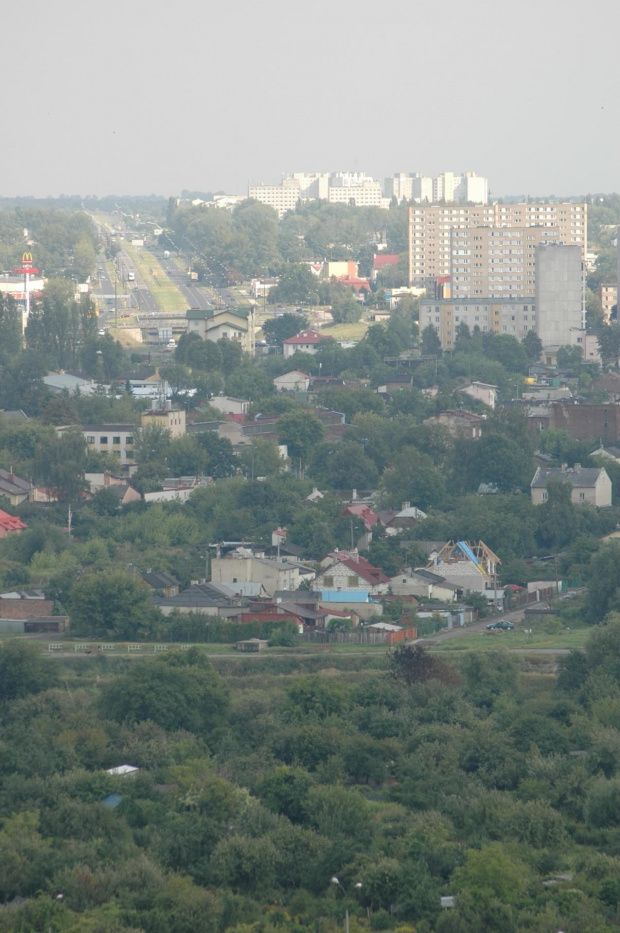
169	418
115	439
512	316
559	294
431	226
496	262
282	197
608	295
448	187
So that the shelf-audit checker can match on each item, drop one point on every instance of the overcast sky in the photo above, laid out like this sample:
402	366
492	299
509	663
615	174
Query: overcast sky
147	96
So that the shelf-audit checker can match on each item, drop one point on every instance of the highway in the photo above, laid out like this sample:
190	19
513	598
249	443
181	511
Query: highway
195	295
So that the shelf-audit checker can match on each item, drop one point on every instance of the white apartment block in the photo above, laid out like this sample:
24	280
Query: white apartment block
431	226
513	317
496	262
366	194
282	198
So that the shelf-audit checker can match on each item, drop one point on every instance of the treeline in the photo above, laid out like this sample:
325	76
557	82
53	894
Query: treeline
475	781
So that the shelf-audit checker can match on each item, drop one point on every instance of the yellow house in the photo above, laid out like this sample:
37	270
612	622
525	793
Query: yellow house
172	419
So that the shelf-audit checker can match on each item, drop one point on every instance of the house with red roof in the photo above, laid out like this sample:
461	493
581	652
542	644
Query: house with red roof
351	572
381	260
357	284
10	524
306	341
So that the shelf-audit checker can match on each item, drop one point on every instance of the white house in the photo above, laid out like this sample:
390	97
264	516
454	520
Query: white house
306	341
352	573
295	381
242	567
588	486
230	405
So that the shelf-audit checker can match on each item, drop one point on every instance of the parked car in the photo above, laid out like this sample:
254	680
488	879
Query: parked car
503	624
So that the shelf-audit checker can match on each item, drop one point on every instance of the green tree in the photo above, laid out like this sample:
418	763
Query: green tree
431	344
23	670
609	344
280	328
532	344
558	522
111	604
570	359
491	873
178	691
297	284
301	431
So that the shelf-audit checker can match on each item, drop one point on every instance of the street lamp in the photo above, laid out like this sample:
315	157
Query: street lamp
357	886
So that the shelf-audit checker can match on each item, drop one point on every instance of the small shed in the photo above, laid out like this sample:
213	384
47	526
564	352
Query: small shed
252	644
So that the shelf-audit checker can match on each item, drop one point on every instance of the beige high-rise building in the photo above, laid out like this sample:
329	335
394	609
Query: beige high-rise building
496	262
609	297
511	316
430	229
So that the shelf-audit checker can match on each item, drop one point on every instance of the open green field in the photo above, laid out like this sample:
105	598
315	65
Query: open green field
491	641
167	295
355	331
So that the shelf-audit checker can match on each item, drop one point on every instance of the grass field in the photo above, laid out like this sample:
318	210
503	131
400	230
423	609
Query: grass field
354	331
167	295
485	641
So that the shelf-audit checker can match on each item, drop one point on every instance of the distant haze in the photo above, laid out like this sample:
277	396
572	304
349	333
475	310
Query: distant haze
140	97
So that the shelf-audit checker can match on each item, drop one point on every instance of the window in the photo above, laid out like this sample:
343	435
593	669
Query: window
90	439
103	439
129	441
544	496
116	440
353	580
328	580
582	496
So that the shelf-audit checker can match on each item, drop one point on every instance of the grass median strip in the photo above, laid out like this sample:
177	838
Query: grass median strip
165	292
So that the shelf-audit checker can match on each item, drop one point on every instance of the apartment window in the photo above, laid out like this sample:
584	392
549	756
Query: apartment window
328	580
103	439
544	495
129	441
116	440
582	496
90	438
353	580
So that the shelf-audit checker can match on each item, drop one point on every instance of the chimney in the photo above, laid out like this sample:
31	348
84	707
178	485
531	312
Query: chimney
564	467
355	555
354	494
406	505
577	468
168	405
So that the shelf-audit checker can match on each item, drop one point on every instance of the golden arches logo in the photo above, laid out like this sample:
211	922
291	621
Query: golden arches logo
27	257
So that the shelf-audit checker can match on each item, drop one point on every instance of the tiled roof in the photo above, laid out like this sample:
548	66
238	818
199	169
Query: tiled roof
307	337
11	522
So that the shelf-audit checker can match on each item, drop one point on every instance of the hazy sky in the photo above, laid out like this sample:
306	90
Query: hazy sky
147	96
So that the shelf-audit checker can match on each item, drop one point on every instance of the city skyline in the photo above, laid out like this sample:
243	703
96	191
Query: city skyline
208	97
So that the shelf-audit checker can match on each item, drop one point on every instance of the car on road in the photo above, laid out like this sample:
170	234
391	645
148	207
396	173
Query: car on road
502	624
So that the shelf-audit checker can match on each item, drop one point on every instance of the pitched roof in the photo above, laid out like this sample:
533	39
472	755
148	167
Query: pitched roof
384	259
307	337
362	568
13	485
583	478
159	579
11	522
